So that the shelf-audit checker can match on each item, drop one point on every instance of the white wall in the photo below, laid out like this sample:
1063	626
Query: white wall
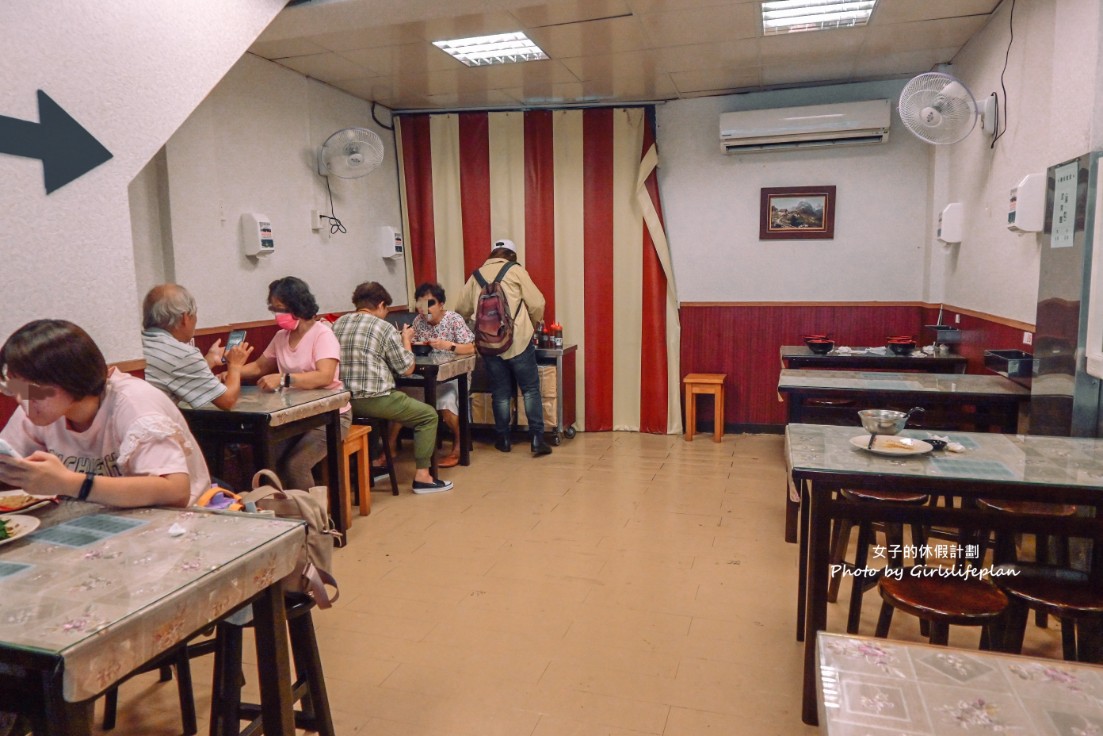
711	206
1051	79
129	71
250	147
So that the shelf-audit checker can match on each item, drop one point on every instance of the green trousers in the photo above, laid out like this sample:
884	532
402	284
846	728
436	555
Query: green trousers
398	407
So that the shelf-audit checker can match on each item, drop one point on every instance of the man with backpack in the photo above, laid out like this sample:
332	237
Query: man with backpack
506	304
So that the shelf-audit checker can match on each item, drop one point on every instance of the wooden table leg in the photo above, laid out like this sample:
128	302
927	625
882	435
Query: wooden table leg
270	619
819	554
431	400
691	414
718	420
465	420
337	494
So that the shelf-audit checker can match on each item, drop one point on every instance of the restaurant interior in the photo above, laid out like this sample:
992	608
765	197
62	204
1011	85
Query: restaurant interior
686	184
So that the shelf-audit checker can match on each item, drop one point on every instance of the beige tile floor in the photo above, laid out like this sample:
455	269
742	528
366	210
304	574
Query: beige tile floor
627	585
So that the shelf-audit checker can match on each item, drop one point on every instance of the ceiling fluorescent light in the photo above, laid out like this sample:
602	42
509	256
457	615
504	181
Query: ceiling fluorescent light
501	48
793	16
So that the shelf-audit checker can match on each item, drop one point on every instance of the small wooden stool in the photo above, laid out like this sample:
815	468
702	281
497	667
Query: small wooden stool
354	444
704	383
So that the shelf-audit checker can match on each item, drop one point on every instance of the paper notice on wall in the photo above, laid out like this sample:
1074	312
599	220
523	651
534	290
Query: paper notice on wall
1064	205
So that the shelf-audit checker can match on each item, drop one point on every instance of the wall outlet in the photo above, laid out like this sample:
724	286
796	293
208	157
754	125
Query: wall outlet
1028	338
957	319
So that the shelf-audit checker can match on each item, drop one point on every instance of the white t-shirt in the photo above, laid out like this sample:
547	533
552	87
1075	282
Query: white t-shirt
137	431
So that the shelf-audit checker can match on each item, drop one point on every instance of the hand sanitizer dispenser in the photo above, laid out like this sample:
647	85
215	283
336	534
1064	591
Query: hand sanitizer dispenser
390	242
1026	211
256	235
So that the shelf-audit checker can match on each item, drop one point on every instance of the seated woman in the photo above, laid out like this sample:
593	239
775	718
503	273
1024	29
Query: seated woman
303	354
90	432
442	330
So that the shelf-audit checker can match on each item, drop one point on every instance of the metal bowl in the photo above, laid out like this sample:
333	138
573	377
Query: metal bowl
883	421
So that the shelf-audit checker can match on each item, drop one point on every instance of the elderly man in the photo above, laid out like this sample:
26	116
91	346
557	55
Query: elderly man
371	348
176	366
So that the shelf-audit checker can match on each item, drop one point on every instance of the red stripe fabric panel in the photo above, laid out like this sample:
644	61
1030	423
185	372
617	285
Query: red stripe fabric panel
540	205
597	144
653	362
475	188
417	159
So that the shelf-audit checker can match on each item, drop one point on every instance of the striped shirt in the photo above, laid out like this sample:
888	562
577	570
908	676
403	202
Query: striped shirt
179	369
371	348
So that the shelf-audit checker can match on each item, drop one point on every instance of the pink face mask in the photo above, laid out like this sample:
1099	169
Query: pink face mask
286	321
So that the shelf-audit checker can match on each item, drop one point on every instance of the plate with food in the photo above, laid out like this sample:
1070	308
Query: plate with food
16	526
12	502
889	444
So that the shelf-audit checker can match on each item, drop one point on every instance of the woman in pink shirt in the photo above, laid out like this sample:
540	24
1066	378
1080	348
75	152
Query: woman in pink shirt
87	431
303	354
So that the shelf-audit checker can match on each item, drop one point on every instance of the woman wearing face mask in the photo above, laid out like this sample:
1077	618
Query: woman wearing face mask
443	330
91	432
303	354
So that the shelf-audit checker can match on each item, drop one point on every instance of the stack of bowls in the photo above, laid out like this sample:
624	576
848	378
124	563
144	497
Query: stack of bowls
901	344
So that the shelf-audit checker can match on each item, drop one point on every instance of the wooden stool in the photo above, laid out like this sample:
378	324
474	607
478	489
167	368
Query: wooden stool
894	535
309	688
1068	595
944	602
704	383
354	444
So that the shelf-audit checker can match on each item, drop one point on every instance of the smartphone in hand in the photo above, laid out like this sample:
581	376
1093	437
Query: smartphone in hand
6	449
236	338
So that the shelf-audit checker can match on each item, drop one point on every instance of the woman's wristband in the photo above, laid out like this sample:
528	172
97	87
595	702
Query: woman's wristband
86	486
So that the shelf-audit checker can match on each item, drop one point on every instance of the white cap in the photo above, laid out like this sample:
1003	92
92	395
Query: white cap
507	244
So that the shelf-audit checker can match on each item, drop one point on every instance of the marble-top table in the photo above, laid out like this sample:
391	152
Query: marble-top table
263	419
822	460
874	686
860	358
96	592
436	368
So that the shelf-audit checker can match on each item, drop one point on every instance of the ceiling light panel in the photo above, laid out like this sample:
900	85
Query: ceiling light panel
793	16
500	48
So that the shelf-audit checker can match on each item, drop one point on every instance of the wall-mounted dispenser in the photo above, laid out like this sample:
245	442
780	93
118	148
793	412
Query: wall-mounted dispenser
390	242
951	223
1026	212
256	235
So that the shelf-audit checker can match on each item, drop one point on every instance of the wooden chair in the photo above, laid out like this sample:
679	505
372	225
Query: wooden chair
379	426
944	602
309	688
179	658
708	384
354	448
1068	595
894	535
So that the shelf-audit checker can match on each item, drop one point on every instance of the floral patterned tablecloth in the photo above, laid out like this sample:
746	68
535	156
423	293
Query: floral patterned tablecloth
106	590
874	687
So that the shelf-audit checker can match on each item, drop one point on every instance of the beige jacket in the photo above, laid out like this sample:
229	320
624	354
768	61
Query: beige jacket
518	287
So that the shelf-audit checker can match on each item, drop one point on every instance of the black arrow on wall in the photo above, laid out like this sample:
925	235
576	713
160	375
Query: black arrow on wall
66	149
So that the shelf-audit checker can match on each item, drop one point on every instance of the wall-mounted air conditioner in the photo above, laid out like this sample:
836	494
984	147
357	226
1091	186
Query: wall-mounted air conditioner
812	126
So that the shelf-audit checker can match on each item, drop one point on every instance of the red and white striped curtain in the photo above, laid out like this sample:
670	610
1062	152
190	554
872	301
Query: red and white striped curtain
576	191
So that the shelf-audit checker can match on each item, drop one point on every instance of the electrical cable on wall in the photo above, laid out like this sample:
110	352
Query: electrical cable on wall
335	225
1007	54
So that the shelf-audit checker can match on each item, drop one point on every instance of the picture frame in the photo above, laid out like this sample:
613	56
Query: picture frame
797	213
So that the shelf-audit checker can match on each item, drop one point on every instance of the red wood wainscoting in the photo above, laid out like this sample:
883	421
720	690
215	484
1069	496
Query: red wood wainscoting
742	340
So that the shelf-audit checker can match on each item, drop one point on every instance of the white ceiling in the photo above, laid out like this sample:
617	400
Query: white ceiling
601	51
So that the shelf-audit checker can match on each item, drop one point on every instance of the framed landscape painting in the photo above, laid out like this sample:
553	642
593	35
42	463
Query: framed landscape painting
797	213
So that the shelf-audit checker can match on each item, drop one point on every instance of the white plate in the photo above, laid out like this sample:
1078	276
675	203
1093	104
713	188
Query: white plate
42	501
891	445
24	525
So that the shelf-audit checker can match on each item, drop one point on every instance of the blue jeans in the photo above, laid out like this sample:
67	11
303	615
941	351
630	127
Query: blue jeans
523	368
